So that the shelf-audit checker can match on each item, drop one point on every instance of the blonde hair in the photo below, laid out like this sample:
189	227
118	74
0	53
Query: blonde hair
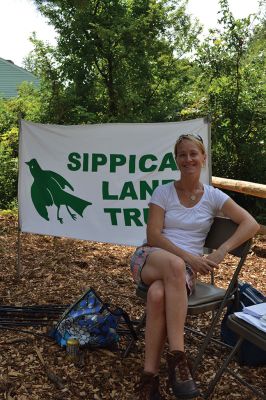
193	138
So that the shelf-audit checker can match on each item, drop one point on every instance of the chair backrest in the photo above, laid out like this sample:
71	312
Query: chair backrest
221	230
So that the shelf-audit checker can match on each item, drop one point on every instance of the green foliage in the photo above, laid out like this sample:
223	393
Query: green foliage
8	168
13	211
236	97
232	92
115	59
27	106
141	61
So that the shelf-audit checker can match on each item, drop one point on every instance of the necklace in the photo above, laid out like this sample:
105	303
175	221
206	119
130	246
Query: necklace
190	196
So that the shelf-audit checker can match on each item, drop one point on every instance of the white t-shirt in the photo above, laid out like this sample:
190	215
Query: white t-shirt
187	227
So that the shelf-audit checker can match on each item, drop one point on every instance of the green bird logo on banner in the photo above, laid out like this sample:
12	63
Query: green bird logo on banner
47	190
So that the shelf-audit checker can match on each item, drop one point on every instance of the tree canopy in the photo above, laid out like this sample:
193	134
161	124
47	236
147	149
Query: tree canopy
145	61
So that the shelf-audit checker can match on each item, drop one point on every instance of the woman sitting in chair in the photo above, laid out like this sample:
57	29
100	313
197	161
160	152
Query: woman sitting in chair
180	216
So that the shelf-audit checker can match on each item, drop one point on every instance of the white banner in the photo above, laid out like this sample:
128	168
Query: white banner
94	181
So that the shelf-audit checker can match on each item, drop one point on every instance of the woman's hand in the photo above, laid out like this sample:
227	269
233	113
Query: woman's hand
202	265
218	255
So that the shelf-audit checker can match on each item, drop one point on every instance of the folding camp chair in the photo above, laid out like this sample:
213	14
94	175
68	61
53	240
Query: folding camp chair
245	331
208	297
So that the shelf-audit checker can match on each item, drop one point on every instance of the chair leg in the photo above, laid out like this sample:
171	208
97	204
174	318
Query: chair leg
141	323
222	369
245	383
206	340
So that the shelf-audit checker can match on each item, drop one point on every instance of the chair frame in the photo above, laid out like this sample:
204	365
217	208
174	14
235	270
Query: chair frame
245	331
221	229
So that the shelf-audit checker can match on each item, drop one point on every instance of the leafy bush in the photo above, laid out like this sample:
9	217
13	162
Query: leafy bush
8	168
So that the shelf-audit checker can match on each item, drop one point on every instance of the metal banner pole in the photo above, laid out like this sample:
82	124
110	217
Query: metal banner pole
18	263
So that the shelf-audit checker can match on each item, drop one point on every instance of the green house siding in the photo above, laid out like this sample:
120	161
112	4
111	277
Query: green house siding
11	77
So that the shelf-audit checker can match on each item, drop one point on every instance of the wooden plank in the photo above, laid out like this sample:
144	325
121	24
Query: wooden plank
250	188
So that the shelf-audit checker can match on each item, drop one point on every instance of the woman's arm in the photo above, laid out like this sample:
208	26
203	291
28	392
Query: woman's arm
247	228
155	238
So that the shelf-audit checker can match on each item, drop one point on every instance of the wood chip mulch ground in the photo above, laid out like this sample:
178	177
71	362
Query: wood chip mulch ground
58	271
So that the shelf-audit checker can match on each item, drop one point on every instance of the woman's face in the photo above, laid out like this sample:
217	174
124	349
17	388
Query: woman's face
189	157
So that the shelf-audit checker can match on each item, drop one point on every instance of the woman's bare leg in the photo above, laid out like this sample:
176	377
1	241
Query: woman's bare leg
168	269
162	265
155	332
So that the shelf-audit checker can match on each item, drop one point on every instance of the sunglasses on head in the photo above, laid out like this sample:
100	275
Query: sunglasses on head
198	137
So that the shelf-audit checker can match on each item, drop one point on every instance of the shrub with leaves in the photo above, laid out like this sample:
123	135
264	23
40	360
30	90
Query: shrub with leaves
8	168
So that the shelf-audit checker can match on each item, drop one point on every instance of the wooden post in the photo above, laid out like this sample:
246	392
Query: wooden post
250	188
253	189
